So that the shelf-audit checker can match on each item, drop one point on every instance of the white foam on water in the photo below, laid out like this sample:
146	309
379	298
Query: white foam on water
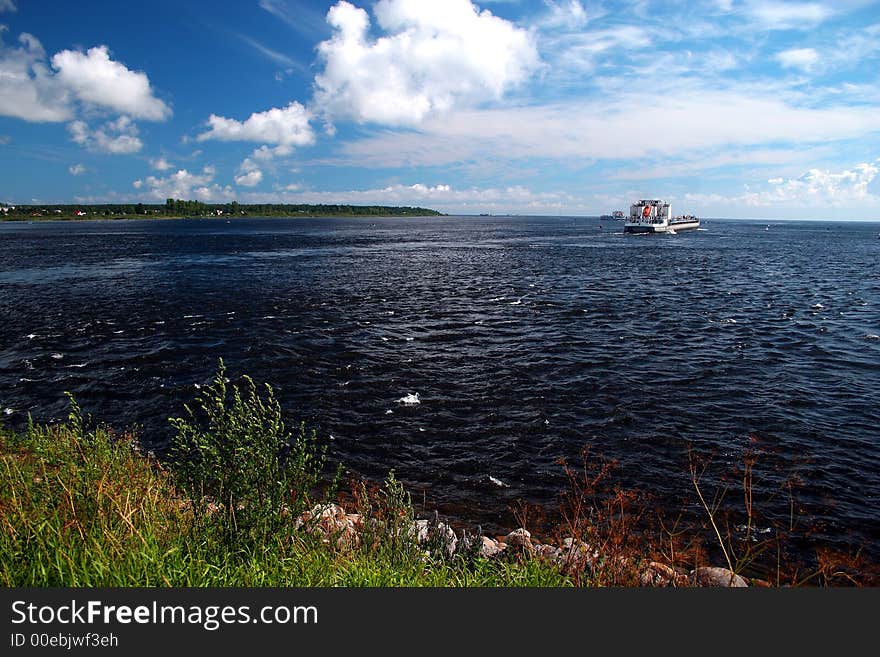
498	299
78	365
422	429
728	321
118	332
384	339
8	411
191	316
817	306
159	322
31	336
498	482
409	339
390	312
57	356
389	412
518	302
872	336
410	400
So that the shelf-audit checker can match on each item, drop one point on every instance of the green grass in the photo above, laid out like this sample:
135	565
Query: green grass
83	507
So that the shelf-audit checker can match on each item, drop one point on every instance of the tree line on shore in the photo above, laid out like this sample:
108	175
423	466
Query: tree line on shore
180	208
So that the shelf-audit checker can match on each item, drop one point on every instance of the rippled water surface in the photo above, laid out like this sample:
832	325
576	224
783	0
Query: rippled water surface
523	338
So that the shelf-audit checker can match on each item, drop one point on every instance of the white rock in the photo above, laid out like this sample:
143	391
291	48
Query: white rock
549	552
575	554
490	547
441	532
520	538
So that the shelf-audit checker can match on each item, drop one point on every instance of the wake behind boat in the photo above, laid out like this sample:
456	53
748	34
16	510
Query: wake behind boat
655	216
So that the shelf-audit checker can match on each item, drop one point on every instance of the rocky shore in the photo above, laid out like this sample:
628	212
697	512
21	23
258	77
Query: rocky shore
342	530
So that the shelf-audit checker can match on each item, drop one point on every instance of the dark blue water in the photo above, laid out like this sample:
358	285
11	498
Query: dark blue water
524	338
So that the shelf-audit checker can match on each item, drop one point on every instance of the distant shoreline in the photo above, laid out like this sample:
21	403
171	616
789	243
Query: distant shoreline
18	220
178	209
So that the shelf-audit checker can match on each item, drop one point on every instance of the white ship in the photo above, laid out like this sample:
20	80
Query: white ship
654	216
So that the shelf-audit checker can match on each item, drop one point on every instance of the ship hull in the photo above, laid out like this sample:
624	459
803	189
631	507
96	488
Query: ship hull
650	229
679	226
644	229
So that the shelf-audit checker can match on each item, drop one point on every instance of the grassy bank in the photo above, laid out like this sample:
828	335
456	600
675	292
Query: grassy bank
243	500
82	506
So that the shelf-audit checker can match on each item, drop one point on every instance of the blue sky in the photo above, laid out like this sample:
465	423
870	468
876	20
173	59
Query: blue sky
728	108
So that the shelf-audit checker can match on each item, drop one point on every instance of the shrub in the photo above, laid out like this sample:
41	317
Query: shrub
239	465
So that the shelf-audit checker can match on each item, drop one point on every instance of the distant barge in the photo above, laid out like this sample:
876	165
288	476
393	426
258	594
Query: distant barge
654	216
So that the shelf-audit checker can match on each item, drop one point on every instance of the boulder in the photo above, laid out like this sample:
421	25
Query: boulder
331	523
519	538
420	531
575	555
438	534
658	574
714	576
491	548
547	552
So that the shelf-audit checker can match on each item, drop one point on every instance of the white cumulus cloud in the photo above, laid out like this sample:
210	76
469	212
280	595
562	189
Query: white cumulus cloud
808	196
7	5
28	89
433	56
185	185
76	170
161	164
33	90
249	174
98	80
282	128
823	186
119	136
